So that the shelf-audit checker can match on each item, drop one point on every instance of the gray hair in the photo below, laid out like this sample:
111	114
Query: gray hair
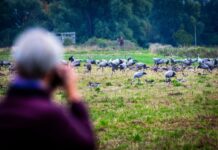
36	52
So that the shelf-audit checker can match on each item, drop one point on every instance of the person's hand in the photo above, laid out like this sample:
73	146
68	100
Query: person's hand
69	79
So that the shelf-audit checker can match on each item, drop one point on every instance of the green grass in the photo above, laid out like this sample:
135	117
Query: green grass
153	115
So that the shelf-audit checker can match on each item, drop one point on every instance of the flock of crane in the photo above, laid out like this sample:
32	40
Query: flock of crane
169	66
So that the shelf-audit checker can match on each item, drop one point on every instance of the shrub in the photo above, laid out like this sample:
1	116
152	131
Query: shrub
188	51
109	44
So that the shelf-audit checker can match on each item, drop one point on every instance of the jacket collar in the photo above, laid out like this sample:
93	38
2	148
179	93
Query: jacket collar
27	93
21	88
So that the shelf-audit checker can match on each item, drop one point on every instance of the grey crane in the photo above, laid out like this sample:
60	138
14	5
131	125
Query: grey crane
88	67
138	75
75	63
4	63
93	84
159	61
114	67
102	65
130	62
71	58
169	74
91	61
140	66
123	66
204	66
116	62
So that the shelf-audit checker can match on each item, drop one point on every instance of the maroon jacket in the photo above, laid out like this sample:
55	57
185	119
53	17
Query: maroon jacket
29	117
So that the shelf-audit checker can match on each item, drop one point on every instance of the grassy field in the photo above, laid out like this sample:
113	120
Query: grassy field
181	115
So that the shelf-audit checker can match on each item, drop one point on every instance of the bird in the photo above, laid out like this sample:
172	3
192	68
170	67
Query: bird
114	67
93	84
130	62
102	65
169	74
211	63
75	63
123	66
140	66
123	60
4	63
91	61
188	62
116	61
204	66
202	60
138	75
71	58
156	60
88	67
155	68
159	61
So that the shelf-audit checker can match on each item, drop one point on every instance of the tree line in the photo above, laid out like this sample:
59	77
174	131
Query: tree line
176	22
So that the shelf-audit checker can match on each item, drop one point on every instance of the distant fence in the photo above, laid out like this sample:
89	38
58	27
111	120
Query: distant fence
67	35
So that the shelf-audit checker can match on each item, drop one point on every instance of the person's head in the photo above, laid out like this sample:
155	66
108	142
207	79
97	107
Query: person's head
36	53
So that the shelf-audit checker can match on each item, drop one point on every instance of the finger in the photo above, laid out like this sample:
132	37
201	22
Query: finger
61	70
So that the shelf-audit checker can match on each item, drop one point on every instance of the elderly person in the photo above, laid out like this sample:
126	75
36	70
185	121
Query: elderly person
28	116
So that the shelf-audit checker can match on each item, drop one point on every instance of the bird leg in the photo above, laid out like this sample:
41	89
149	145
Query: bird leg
112	73
132	81
203	72
139	81
169	81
